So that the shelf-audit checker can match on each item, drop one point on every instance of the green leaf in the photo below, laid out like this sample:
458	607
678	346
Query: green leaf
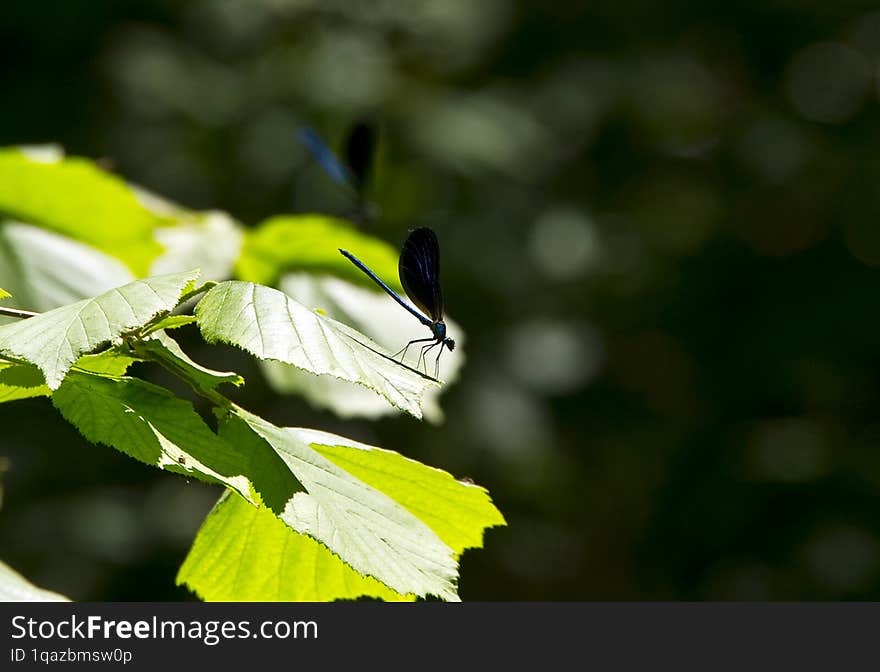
74	197
271	325
170	322
152	425
20	380
15	588
363	526
54	340
377	316
162	346
245	553
113	363
263	463
458	512
45	270
311	243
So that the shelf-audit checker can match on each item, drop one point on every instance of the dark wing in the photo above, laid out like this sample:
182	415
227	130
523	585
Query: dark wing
360	148
419	270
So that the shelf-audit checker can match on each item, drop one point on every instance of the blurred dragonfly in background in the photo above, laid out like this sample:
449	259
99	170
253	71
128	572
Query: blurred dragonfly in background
353	173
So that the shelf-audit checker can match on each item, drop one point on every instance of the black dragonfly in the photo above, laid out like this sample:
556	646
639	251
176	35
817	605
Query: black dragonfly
419	270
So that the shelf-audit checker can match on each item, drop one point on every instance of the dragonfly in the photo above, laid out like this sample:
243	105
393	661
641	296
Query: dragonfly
353	174
419	271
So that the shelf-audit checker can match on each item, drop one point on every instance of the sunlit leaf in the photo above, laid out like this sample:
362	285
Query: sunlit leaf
4	294
364	527
311	243
376	315
45	270
172	322
20	380
150	424
271	325
211	241
457	511
54	340
15	588
74	197
245	553
369	530
113	362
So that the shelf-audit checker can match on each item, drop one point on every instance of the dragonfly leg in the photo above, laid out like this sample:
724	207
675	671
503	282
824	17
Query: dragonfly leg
437	363
406	347
423	356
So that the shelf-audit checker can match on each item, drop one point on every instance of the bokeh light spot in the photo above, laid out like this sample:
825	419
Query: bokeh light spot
565	243
827	82
842	557
554	357
789	449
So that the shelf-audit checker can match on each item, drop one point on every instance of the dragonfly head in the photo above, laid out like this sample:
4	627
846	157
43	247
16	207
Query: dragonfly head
440	334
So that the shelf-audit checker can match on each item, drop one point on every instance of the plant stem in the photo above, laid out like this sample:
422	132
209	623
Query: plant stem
172	366
14	312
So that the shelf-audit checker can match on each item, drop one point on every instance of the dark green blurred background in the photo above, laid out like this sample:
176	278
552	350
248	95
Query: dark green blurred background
661	234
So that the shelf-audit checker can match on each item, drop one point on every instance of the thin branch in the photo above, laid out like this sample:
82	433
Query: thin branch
14	312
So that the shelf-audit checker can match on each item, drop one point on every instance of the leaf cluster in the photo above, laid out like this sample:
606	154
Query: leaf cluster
305	515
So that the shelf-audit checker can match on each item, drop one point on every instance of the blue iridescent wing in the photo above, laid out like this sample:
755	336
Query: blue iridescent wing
324	156
419	269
